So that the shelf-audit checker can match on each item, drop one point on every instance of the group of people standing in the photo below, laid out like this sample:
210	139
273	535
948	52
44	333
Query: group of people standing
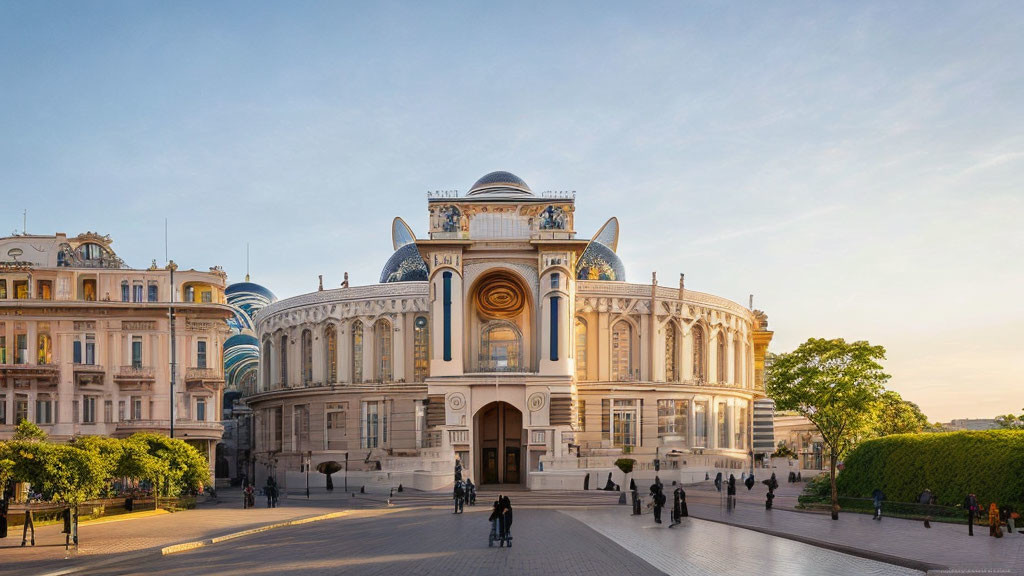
464	494
659	499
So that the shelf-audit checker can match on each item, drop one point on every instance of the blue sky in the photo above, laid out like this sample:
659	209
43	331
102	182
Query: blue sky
856	166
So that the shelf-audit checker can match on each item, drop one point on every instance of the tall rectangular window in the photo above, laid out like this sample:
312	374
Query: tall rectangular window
108	411
3	346
89	410
22	344
723	431
3	410
20	289
44	411
336	427
581	415
700	423
554	280
300	427
371	425
624	423
201	354
20	408
672	417
125	292
606	419
90	349
554	328
3	289
136	352
201	409
76	351
122	414
154	293
447	303
136	408
137	292
44	289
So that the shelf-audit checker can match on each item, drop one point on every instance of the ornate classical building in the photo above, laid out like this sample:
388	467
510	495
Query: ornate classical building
85	342
504	340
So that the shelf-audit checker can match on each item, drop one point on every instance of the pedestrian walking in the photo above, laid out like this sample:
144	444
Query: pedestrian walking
925	499
772	483
994	525
635	495
497	522
470	492
506	512
971	505
718	482
730	500
658	498
877	496
459	495
1006	515
248	498
677	508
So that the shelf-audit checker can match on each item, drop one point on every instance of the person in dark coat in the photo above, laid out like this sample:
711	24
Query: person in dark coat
971	505
683	510
926	499
470	492
658	497
718	482
772	484
677	509
876	500
459	495
497	521
506	514
730	499
609	485
635	495
749	482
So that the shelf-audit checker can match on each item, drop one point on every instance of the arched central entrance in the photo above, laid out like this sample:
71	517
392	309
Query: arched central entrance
499	444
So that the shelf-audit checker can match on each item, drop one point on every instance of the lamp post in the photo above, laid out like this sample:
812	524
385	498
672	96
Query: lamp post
346	471
172	267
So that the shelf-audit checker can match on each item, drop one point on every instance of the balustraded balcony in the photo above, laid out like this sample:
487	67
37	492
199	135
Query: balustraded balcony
135	373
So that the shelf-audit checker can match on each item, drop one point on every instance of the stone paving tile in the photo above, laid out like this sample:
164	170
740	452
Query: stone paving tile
944	544
698	547
104	540
412	543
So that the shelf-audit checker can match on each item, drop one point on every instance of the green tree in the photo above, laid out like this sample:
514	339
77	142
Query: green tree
835	385
1010	421
72	475
892	414
28	432
179	466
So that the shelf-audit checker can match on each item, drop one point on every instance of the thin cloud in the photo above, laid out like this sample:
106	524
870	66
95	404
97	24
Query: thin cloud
773	227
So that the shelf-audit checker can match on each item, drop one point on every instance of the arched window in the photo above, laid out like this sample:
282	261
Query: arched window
581	349
265	357
500	347
421	349
622	351
720	377
330	354
382	350
737	357
284	360
700	369
671	373
357	350
307	357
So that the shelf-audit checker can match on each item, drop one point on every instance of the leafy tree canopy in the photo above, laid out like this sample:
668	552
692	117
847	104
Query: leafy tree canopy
892	414
835	385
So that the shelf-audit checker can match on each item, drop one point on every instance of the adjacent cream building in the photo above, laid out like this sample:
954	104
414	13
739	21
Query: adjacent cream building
503	339
85	342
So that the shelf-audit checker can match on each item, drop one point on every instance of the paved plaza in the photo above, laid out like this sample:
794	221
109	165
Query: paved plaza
560	533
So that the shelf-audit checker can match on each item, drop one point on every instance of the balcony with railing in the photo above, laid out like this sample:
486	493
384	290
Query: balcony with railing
200	374
486	363
458	437
135	373
28	370
89	368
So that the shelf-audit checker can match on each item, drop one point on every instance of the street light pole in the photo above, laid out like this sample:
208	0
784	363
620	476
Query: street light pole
346	471
172	266
309	461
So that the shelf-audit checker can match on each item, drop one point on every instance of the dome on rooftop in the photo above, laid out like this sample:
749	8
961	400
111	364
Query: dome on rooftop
500	185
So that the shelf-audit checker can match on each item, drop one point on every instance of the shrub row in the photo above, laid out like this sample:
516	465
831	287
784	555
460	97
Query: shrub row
952	464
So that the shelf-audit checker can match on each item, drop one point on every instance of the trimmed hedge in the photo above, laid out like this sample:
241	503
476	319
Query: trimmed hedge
988	463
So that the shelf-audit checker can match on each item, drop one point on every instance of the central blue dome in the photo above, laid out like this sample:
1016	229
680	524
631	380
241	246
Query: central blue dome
500	184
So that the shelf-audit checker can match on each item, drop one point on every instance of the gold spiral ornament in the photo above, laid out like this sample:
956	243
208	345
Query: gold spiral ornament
500	296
